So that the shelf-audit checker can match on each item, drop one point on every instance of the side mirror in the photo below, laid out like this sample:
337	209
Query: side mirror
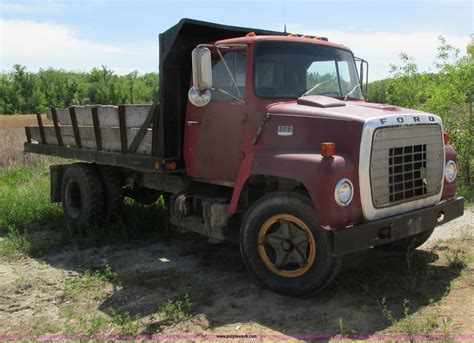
364	75
199	94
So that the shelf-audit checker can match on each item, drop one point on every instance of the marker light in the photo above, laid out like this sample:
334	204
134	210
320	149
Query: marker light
343	192
328	149
450	171
446	137
172	165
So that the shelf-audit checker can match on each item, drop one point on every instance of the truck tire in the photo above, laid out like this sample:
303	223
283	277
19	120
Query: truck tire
284	248
82	195
407	243
113	193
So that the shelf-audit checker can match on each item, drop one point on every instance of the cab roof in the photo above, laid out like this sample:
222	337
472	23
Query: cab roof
251	39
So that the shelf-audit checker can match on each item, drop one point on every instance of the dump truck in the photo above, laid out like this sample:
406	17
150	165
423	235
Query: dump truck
261	138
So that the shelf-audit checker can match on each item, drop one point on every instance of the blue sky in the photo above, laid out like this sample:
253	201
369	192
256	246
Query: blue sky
123	35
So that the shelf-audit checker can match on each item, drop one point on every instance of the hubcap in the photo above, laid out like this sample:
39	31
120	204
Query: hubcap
286	245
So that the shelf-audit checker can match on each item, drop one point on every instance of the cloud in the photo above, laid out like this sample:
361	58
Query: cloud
34	7
383	48
42	45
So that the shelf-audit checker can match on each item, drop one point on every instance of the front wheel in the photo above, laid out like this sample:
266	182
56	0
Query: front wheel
284	248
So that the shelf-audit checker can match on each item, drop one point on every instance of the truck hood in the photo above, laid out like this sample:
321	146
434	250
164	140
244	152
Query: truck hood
329	108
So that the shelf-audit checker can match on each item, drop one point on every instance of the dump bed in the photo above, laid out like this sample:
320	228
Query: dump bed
126	135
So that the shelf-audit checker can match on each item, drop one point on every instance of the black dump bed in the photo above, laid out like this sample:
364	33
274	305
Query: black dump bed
142	137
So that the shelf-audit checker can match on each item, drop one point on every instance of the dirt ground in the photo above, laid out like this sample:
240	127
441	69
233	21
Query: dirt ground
226	301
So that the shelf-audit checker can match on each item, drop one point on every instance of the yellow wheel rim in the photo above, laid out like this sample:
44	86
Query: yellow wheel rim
286	245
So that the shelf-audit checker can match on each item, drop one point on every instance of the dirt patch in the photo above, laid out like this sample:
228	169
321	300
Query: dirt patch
184	284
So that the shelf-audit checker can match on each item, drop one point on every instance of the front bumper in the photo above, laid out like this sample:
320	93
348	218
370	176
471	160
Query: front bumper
382	231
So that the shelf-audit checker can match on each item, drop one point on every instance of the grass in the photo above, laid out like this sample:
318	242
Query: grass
90	284
174	311
25	197
31	225
21	120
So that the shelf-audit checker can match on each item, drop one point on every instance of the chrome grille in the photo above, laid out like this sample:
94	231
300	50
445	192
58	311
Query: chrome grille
406	164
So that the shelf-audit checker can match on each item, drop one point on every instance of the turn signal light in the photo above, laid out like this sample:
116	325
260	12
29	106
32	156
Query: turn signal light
172	165
157	165
328	149
446	137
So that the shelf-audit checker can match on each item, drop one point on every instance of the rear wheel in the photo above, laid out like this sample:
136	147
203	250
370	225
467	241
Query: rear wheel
284	248
113	193
82	195
407	243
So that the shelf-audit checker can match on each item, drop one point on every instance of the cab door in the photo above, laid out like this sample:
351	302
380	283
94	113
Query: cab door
213	133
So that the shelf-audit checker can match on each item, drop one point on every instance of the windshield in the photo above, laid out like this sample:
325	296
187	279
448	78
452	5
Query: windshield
291	69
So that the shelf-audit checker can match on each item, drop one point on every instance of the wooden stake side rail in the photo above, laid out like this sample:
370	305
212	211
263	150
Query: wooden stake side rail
118	136
125	128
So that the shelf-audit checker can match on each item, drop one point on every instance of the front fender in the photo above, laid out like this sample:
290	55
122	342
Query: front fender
318	174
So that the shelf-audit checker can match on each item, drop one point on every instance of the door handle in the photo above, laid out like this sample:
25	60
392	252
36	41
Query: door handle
192	122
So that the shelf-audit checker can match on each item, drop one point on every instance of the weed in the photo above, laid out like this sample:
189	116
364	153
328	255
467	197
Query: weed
22	283
95	325
340	325
408	323
386	312
457	259
174	311
125	322
89	284
447	321
14	244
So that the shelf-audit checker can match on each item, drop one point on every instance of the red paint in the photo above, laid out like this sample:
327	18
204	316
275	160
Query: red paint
221	147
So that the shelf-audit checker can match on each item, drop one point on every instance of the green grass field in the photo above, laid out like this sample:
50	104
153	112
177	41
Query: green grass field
25	210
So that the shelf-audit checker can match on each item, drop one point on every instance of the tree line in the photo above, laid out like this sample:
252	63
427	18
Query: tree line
23	91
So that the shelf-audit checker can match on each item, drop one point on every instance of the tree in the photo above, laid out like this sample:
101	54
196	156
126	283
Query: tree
447	92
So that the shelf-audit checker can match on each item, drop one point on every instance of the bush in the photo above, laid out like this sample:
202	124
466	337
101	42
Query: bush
447	92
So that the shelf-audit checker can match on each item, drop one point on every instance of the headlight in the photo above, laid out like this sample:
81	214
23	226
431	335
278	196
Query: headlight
343	192
450	171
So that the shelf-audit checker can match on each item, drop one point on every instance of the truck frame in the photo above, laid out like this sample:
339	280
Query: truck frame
243	152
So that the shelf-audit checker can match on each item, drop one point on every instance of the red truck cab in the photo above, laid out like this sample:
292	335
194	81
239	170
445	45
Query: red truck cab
289	109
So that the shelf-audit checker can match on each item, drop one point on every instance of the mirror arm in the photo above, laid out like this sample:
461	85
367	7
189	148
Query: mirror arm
366	77
231	76
227	93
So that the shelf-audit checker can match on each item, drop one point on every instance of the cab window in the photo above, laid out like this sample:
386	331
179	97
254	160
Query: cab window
236	61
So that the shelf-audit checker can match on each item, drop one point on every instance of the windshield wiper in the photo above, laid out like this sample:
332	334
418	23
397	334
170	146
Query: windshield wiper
313	88
351	91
